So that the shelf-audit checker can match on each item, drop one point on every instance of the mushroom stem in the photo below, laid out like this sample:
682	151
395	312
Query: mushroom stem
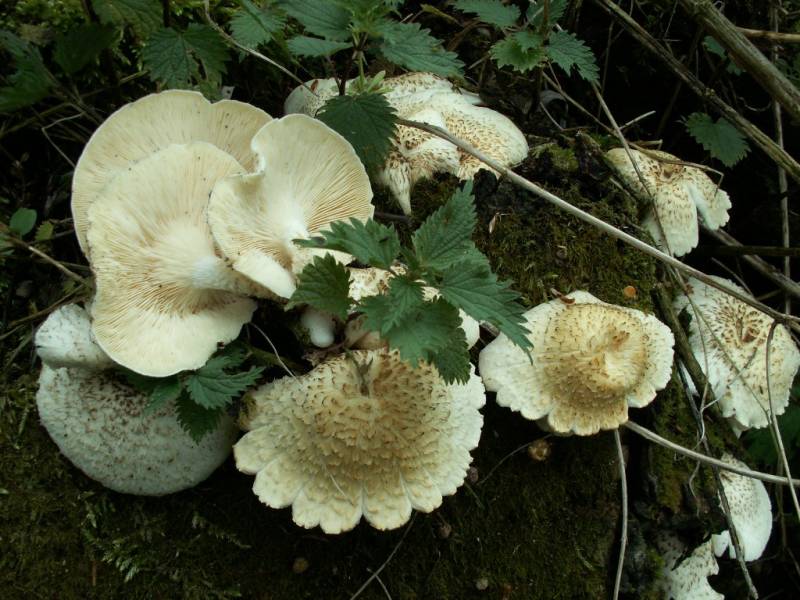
211	273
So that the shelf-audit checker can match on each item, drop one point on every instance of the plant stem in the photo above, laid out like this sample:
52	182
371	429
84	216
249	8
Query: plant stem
623	538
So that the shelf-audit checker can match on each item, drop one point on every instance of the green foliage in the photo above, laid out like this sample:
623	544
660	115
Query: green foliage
253	25
522	51
30	82
442	255
175	57
410	46
567	51
537	17
44	232
144	16
22	221
302	45
493	12
760	444
81	46
367	121
324	284
326	19
713	46
721	139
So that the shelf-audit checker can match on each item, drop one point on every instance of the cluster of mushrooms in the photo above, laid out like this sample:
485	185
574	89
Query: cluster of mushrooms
187	212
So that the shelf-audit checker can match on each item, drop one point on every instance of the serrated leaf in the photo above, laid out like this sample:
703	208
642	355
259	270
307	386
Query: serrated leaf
325	285
209	48
536	16
493	12
720	138
453	361
22	221
567	51
475	290
213	388
164	391
302	45
30	82
78	47
371	242
230	357
426	331
410	46
367	121
174	57
252	25
521	51
143	15
326	19
44	232
401	302
196	420
714	47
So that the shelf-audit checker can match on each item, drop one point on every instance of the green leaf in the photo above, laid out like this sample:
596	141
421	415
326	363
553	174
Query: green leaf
326	19
211	387
446	235
302	45
164	391
230	357
44	232
196	420
78	47
30	82
325	285
252	25
402	301
410	46
175	57
367	121
567	51
371	243
493	12
521	51
22	221
427	331
720	138
475	289
453	361
714	47
143	15
761	446
535	13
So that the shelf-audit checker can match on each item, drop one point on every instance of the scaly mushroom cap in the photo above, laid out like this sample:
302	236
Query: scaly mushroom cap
751	513
729	340
361	434
687	579
308	176
141	128
590	361
164	300
104	428
65	340
679	193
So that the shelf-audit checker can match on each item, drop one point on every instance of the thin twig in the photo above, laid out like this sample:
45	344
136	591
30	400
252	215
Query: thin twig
623	537
773	36
386	562
33	250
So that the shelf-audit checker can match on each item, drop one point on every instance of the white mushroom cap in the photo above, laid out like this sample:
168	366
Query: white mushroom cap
164	299
308	176
590	361
361	434
104	428
679	193
65	340
751	513
308	98
729	340
687	579
320	326
141	128
416	86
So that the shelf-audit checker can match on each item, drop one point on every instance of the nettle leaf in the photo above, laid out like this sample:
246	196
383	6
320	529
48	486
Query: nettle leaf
567	51
196	420
453	362
367	121
81	46
426	332
536	16
402	301
143	15
44	232
370	242
493	12
325	285
410	46
212	387
475	289
721	139
523	51
161	390
252	25
302	45
22	221
326	19
174	57
30	82
714	47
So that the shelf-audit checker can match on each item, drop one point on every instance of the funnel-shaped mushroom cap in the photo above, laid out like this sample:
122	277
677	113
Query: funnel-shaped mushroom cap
687	578
590	361
729	340
141	128
165	300
308	176
105	429
65	340
678	192
751	513
361	434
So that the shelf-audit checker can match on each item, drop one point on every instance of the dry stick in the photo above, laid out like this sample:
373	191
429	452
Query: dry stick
602	225
386	562
758	137
623	538
743	250
33	250
773	36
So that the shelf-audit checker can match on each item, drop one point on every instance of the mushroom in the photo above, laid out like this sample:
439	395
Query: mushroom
165	300
687	578
152	123
590	361
362	434
679	192
65	340
729	340
307	177
751	514
105	428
